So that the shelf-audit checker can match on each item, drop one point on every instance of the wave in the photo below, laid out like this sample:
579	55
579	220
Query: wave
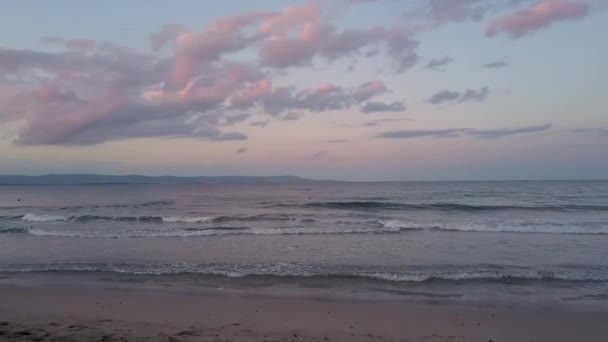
185	219
259	217
157	219
479	228
215	226
138	234
498	274
204	232
464	228
371	205
11	230
43	218
11	217
88	218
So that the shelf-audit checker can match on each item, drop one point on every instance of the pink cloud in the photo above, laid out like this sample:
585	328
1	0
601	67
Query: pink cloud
281	51
51	93
322	40
290	18
251	94
205	93
193	49
369	90
540	15
326	88
91	99
107	92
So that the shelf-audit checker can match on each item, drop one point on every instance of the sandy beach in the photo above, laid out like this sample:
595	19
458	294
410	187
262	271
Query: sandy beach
49	307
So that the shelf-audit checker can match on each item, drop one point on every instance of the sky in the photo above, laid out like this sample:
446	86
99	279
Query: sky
332	89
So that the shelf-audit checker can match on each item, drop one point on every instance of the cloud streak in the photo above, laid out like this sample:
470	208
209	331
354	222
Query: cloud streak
537	17
469	95
475	95
495	65
463	132
437	64
381	107
444	96
503	132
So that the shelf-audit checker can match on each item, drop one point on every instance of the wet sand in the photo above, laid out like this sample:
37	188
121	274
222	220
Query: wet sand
46	309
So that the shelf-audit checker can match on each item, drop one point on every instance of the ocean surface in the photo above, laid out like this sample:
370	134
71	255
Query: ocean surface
538	242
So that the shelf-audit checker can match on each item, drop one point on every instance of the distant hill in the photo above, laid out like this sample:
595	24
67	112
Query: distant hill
138	179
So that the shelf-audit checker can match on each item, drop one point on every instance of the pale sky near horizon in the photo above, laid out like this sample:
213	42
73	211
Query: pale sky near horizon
340	89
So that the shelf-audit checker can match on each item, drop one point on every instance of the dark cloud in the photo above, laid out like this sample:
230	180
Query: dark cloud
440	133
460	132
380	107
377	122
230	136
372	53
469	95
436	64
407	62
475	95
444	96
326	97
394	119
259	123
502	132
241	150
232	119
442	11
498	64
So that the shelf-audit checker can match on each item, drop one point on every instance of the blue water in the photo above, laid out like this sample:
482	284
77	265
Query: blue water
544	237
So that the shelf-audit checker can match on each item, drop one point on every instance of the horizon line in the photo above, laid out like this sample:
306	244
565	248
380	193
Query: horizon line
294	176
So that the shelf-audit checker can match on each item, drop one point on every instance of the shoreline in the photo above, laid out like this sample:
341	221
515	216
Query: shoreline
69	307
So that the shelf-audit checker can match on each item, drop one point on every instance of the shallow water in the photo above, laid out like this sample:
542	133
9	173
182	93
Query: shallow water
519	240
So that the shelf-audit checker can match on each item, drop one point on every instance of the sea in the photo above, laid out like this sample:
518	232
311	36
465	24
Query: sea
531	242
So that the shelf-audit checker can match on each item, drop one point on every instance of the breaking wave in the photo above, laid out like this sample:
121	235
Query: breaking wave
497	274
156	219
227	225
